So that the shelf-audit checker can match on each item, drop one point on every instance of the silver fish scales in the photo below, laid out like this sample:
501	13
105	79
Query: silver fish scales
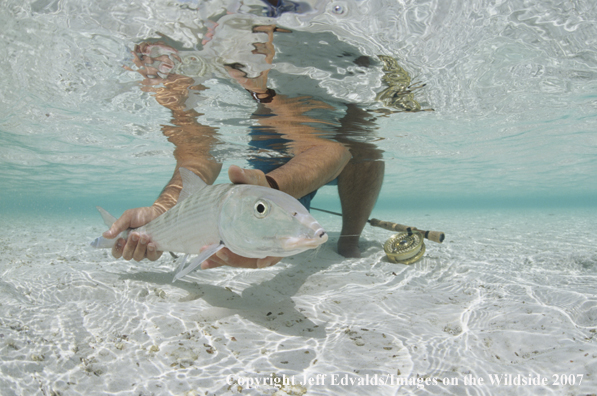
251	221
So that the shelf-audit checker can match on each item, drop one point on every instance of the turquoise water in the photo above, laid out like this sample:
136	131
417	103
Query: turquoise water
505	164
512	85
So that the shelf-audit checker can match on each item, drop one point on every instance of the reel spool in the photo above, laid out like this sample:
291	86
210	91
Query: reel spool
405	248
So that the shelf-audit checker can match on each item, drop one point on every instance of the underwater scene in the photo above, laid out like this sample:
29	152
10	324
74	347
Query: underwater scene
446	150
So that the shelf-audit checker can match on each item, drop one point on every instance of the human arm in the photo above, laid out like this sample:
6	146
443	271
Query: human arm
315	160
192	140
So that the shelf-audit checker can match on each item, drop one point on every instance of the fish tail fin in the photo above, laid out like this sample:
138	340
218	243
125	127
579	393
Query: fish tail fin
101	242
108	218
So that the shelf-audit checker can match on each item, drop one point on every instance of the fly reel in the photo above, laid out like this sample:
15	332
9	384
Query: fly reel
405	248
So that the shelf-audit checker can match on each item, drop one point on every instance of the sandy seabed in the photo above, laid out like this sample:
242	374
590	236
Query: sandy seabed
510	296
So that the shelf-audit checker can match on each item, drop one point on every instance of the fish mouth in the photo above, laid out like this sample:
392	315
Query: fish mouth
306	242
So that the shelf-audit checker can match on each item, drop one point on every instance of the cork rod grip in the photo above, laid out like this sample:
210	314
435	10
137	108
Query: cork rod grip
435	236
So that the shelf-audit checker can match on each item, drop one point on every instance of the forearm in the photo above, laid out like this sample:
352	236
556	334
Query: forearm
316	160
207	171
193	143
311	169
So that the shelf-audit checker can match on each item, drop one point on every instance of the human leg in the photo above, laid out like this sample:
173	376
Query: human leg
358	186
360	182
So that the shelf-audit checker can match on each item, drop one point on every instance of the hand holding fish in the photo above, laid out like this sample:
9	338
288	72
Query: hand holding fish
255	177
236	224
226	257
136	246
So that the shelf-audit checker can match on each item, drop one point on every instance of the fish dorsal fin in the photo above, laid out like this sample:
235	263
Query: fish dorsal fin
191	183
108	218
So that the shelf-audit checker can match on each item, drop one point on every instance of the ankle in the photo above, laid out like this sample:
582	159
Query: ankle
349	247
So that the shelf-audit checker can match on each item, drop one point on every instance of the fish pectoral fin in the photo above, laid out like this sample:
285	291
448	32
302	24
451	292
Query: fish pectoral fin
207	253
181	262
108	218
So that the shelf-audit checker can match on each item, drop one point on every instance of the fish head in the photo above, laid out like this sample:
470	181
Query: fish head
257	222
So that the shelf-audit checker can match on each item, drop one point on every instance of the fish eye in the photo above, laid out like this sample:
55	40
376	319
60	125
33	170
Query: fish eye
338	9
261	209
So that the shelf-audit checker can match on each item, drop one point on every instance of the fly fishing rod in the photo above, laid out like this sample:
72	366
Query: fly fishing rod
435	236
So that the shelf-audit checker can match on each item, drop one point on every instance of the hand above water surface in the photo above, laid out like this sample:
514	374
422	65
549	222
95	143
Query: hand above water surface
150	67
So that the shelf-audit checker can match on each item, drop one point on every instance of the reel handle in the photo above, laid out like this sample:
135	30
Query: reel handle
435	236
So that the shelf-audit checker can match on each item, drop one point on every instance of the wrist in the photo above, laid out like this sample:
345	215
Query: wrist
159	208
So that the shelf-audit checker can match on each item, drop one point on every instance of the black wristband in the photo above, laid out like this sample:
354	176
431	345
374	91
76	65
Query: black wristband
270	93
272	183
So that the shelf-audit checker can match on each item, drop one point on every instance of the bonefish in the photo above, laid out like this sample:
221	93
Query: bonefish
251	221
